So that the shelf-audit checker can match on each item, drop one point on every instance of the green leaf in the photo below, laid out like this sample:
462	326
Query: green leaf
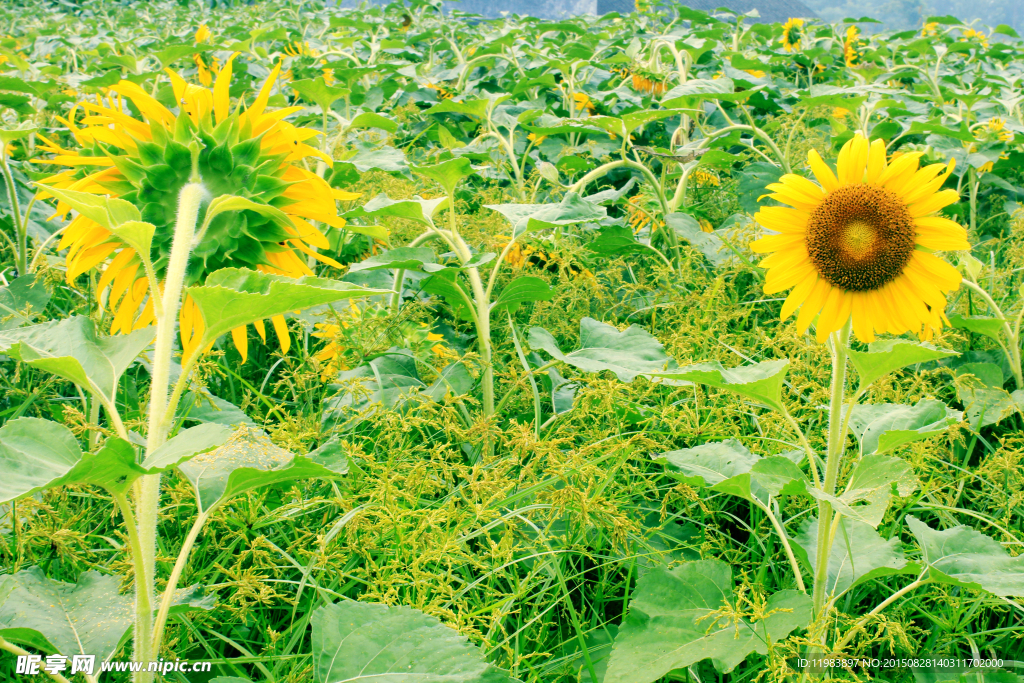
989	374
635	119
445	284
728	467
883	357
88	617
963	133
233	297
415	209
39	454
136	234
963	557
761	382
753	180
833	96
670	624
984	406
229	202
602	347
615	239
476	109
23	130
979	324
698	90
408	258
858	554
521	290
319	92
369	119
873	483
447	174
22	300
709	244
532	217
250	460
882	427
391	381
353	641
72	349
107	211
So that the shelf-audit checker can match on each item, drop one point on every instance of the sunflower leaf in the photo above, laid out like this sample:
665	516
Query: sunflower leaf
873	483
447	174
136	234
884	357
670	624
233	297
858	554
230	202
602	347
39	454
109	212
532	217
521	290
882	427
249	460
979	324
21	300
356	640
408	258
319	92
761	382
963	557
415	209
72	349
985	405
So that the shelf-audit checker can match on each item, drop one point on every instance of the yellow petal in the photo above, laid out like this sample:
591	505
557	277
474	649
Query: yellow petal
899	171
828	321
822	171
799	295
862	324
241	338
281	328
776	242
779	279
261	330
917	189
933	203
945	276
876	162
782	219
221	98
815	300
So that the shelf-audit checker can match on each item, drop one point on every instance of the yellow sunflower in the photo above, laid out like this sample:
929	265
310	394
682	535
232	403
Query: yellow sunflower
859	243
853	47
252	153
203	34
792	34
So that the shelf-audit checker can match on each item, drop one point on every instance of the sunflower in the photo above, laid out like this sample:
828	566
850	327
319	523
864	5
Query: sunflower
931	28
645	83
705	178
792	34
853	46
252	153
300	49
204	73
203	34
583	103
972	35
859	244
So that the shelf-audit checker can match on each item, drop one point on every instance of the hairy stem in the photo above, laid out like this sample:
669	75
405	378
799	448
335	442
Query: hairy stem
172	581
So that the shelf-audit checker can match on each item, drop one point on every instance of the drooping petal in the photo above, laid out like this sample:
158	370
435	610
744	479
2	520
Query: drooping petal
822	171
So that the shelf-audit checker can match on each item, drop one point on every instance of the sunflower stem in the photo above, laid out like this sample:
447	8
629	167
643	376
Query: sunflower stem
148	490
20	226
836	439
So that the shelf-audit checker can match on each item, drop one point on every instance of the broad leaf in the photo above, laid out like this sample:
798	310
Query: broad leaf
697	90
532	217
107	211
72	349
233	297
883	357
354	641
415	209
188	443
859	554
319	92
447	174
227	202
963	557
881	427
39	454
979	324
21	301
986	405
728	467
476	109
392	382
88	617
408	258
709	244
369	119
249	460
761	382
670	624
615	239
873	483
521	290
445	284
602	347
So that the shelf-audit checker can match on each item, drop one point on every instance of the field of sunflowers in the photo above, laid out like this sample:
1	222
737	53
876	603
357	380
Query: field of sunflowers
400	346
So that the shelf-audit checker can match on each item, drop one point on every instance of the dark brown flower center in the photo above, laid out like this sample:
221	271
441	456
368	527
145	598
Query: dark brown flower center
860	237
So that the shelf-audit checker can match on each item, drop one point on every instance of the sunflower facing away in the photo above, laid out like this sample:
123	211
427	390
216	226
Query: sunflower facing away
859	243
792	34
252	153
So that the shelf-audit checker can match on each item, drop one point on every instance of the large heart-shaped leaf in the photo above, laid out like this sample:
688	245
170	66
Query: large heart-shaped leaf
109	212
873	483
521	290
355	641
602	347
670	623
963	557
882	427
249	460
532	217
415	209
697	90
728	466
39	454
72	349
709	244
979	324
761	382
21	301
883	357
407	258
88	617
859	554
319	92
447	174
233	297
988	405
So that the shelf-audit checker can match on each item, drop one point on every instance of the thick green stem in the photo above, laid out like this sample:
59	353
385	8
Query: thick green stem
836	441
148	489
20	226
